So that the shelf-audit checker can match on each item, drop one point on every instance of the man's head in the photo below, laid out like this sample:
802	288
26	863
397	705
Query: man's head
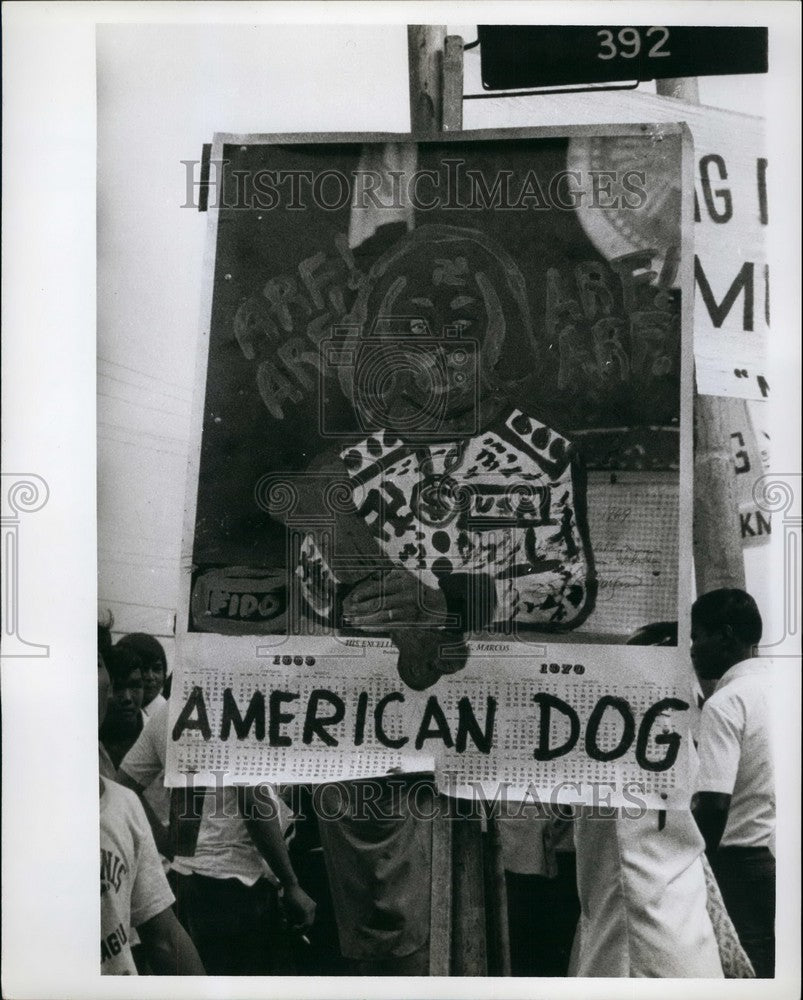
154	662
725	628
125	672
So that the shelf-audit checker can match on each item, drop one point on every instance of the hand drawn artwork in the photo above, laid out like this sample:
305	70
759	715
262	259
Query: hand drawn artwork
469	503
427	372
434	417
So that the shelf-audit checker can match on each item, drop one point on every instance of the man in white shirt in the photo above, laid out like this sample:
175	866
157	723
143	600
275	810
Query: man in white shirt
735	803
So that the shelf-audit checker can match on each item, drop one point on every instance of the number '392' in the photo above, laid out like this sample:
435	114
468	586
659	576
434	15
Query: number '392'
627	43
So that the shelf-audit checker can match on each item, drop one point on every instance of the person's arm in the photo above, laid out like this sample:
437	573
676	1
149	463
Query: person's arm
262	821
168	946
161	834
710	811
720	748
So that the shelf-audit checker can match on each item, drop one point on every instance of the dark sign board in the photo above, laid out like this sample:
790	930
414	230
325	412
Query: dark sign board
516	56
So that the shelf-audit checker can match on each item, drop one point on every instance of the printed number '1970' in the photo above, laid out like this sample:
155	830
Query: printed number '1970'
562	668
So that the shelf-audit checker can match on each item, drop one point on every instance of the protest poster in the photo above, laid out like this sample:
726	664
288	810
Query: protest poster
731	273
732	214
434	511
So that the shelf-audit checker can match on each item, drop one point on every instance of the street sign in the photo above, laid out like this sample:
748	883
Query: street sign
518	56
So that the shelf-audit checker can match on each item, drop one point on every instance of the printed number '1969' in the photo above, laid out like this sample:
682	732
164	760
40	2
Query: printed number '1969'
629	43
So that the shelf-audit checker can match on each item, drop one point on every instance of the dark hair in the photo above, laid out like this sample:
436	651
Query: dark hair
729	606
146	647
121	662
655	634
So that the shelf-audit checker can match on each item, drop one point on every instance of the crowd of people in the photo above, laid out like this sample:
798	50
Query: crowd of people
264	881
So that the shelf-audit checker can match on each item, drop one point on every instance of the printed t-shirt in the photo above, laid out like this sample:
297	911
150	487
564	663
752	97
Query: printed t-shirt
133	888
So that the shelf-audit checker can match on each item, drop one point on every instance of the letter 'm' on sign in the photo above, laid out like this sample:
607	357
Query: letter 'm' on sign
546	702
195	704
670	740
718	311
254	716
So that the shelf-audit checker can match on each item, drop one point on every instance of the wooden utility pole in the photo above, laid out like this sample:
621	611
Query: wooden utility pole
469	951
468	898
425	48
497	928
453	84
718	556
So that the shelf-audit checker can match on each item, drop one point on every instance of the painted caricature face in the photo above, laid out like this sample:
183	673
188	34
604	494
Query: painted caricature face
436	334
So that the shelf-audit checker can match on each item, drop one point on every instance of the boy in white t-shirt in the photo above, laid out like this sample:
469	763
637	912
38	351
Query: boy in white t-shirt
133	889
154	668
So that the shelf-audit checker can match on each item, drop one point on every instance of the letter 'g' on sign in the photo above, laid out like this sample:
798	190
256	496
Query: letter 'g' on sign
670	740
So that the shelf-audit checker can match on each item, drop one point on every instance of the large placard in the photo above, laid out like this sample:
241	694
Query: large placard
441	440
732	214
